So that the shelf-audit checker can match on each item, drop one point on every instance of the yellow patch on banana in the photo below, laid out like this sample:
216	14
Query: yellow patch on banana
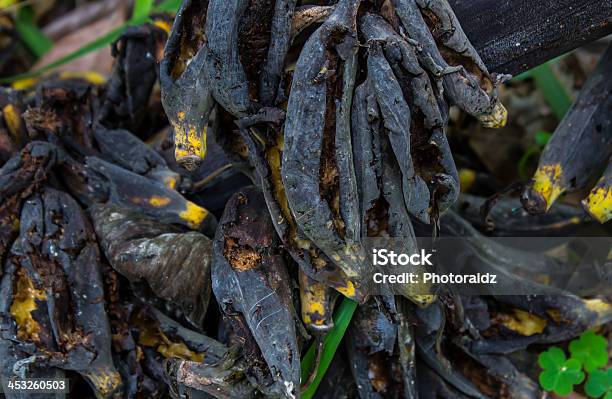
522	322
159	201
155	338
496	119
24	303
348	290
190	145
12	119
315	300
599	204
546	182
105	381
165	26
24	84
92	77
467	177
170	182
193	214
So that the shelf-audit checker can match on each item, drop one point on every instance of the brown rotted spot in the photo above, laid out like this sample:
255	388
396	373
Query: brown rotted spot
377	375
383	373
377	218
192	37
329	182
73	339
230	139
253	40
427	161
453	58
240	257
419	135
387	11
41	120
9	208
435	26
486	383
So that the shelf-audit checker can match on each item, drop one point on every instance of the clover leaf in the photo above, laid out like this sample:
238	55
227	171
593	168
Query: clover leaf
599	383
559	374
591	350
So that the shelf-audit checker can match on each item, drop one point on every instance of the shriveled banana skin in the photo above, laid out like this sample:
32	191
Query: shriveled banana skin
379	179
511	221
476	95
277	51
431	320
124	188
249	278
224	72
315	264
416	88
304	131
57	255
186	98
176	265
397	119
370	343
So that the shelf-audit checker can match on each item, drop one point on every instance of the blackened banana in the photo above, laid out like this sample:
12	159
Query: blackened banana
186	93
52	303
447	54
317	169
249	278
581	145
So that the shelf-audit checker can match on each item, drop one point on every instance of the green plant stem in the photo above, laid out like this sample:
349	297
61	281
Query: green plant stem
142	8
556	97
100	42
342	318
33	37
168	6
103	41
552	89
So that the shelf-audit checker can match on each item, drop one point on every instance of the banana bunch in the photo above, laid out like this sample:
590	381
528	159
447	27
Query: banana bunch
337	112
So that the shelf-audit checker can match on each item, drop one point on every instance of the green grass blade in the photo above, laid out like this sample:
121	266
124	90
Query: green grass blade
33	37
522	76
542	137
142	8
104	40
556	97
342	318
552	89
100	42
168	6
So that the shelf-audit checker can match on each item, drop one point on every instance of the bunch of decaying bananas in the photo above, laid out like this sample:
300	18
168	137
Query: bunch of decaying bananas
340	112
107	249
